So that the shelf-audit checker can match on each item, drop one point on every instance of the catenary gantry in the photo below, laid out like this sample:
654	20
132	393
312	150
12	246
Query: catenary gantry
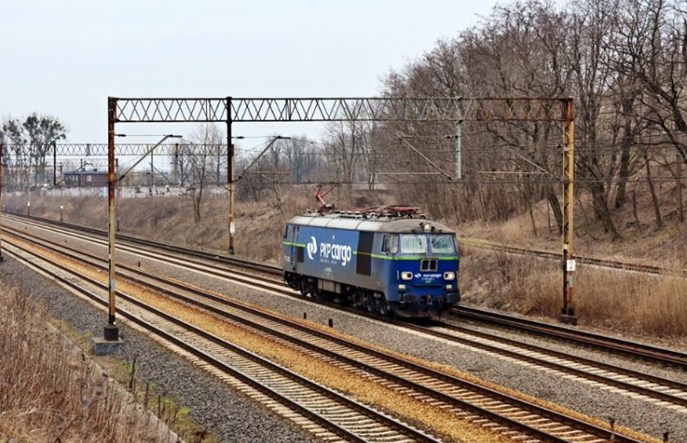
231	110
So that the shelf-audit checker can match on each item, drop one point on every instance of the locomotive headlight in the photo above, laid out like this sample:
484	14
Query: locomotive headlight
449	275
405	275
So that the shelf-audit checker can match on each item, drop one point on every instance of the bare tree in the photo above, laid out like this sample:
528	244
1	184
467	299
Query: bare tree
591	23
201	158
652	50
349	150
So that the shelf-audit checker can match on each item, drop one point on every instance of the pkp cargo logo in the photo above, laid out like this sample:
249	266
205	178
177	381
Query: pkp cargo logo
329	252
312	248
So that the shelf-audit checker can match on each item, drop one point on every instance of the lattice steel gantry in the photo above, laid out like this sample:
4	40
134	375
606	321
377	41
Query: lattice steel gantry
429	109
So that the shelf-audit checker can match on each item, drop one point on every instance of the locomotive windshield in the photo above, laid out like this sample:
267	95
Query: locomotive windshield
427	244
413	244
442	244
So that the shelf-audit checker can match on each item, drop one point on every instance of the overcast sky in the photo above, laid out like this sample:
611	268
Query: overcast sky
65	58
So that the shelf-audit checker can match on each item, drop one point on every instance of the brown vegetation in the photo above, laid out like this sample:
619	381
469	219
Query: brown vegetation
50	392
624	302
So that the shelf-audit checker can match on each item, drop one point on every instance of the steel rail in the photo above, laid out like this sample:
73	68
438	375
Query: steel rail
602	379
381	418
606	343
592	429
211	256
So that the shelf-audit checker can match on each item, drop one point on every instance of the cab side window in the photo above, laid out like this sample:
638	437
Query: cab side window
389	244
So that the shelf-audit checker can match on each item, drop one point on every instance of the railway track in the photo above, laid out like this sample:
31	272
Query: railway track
482	244
591	261
513	417
656	390
329	415
632	349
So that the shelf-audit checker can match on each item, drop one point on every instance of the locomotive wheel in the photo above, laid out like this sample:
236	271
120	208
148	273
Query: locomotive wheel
358	299
369	302
309	289
382	305
305	288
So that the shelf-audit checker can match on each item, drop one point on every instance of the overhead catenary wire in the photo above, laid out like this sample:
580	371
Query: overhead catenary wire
476	180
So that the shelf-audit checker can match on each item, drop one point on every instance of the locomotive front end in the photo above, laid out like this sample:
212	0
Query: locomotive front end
425	278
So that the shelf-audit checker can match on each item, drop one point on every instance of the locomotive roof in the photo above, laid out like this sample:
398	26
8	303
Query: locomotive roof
385	224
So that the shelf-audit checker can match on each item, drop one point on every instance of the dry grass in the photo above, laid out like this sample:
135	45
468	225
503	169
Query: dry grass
646	244
622	301
502	281
49	393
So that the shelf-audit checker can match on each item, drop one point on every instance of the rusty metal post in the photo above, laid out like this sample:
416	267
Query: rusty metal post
459	143
568	310
111	329
54	164
230	178
2	151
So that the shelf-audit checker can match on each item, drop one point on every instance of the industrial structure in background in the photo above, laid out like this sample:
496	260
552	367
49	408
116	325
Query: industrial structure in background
86	178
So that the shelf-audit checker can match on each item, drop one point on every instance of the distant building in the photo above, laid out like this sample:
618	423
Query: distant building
93	178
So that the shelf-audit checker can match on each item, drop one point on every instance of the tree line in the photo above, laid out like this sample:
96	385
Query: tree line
26	145
624	62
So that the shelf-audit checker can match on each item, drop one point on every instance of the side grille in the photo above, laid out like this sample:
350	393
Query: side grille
429	265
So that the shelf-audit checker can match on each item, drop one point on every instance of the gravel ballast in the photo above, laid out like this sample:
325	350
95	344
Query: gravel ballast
634	413
230	416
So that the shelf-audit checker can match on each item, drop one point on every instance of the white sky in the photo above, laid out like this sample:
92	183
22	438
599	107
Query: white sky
64	58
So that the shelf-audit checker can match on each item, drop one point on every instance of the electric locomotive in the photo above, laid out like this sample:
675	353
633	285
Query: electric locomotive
386	261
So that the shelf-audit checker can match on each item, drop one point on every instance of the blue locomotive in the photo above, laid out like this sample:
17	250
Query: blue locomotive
382	261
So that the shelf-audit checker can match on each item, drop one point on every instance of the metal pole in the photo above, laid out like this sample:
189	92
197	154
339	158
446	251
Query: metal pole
111	330
459	141
152	174
568	311
54	164
230	178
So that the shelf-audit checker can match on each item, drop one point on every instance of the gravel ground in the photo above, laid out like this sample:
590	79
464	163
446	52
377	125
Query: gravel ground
228	415
634	413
